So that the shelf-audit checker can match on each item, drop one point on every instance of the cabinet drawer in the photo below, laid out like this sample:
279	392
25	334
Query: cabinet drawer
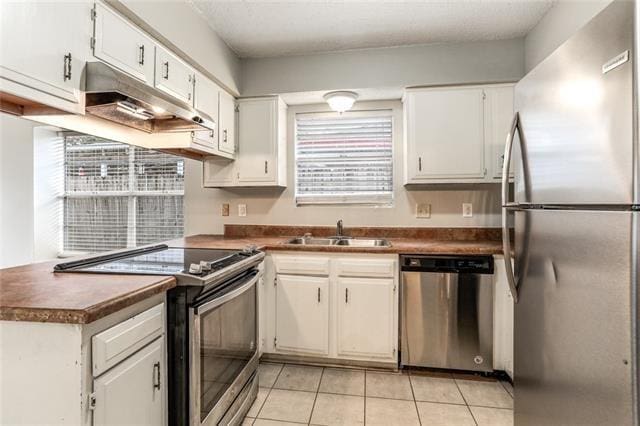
302	265
120	341
366	268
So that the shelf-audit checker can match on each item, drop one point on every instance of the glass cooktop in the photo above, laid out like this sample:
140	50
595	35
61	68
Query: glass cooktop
160	261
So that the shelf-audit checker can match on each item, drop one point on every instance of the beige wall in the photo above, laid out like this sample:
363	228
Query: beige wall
452	63
560	22
16	191
277	206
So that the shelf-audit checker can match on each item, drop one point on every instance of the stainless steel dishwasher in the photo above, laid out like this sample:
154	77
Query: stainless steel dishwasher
447	312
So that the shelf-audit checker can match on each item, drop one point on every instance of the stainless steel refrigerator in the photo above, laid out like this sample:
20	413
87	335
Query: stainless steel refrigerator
575	210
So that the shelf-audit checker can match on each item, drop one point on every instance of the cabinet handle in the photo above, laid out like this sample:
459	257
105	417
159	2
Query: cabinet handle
420	164
141	55
166	70
266	167
224	136
67	67
156	375
318	294
211	134
346	295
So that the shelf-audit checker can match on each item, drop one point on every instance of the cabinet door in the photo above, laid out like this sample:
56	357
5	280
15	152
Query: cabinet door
122	45
257	140
132	392
173	76
227	115
43	47
205	99
302	314
365	317
445	135
498	117
218	172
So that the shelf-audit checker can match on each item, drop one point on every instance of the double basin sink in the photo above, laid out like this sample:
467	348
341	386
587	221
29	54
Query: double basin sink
340	241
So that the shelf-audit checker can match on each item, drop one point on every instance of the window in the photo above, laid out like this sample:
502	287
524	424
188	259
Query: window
118	196
346	159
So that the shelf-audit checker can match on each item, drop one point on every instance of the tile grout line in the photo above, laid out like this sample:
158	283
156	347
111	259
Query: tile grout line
415	403
465	401
268	393
313	407
364	422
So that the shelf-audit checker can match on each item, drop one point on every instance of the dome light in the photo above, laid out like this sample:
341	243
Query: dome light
341	101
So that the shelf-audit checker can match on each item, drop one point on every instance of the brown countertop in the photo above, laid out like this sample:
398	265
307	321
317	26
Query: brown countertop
36	293
398	245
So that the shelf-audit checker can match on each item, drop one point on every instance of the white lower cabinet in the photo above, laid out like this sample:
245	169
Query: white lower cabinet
302	314
365	317
132	392
329	306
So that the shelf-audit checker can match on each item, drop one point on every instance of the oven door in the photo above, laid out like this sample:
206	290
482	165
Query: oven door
224	354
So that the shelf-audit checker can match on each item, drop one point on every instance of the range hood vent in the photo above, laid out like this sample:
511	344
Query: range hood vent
118	97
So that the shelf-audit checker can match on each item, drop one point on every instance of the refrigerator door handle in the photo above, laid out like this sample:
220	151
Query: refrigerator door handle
506	240
506	164
506	248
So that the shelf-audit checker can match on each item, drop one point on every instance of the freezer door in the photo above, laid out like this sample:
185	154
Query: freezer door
573	325
576	114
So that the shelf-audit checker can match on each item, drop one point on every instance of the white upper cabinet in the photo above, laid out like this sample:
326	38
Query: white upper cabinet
444	132
452	135
499	112
205	100
173	76
261	149
227	115
257	138
122	45
43	50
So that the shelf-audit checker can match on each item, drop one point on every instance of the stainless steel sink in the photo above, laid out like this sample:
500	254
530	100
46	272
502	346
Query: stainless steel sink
341	241
363	242
313	241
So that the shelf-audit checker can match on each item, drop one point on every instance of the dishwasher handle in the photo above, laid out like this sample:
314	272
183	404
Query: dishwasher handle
447	264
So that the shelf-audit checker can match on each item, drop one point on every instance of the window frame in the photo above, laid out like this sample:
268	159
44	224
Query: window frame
331	200
133	195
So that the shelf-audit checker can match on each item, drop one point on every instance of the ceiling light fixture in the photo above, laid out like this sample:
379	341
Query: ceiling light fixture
341	101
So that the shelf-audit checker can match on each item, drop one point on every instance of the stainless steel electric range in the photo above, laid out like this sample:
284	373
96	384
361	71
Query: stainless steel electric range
212	326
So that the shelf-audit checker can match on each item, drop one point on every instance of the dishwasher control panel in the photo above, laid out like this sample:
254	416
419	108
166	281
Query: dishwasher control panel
458	264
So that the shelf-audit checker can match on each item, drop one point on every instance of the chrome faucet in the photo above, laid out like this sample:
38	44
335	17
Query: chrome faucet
339	229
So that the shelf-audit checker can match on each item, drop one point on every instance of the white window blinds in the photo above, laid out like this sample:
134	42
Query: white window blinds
119	196
346	159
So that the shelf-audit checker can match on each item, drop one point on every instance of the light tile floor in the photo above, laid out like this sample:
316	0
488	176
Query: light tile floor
293	394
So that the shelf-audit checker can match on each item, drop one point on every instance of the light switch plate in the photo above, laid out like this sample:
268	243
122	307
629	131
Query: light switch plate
242	210
423	211
225	209
467	210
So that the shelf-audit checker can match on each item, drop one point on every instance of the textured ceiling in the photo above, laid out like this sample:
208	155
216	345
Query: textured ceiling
279	28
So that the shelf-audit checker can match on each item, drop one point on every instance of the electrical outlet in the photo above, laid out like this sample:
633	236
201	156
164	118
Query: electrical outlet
467	210
242	210
423	211
225	209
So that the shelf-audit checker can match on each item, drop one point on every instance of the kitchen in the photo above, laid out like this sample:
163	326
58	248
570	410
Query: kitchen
318	213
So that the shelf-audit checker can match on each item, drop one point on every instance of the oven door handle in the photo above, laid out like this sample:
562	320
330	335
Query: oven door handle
206	307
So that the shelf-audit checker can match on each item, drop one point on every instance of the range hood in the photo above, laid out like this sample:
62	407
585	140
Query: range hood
118	97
